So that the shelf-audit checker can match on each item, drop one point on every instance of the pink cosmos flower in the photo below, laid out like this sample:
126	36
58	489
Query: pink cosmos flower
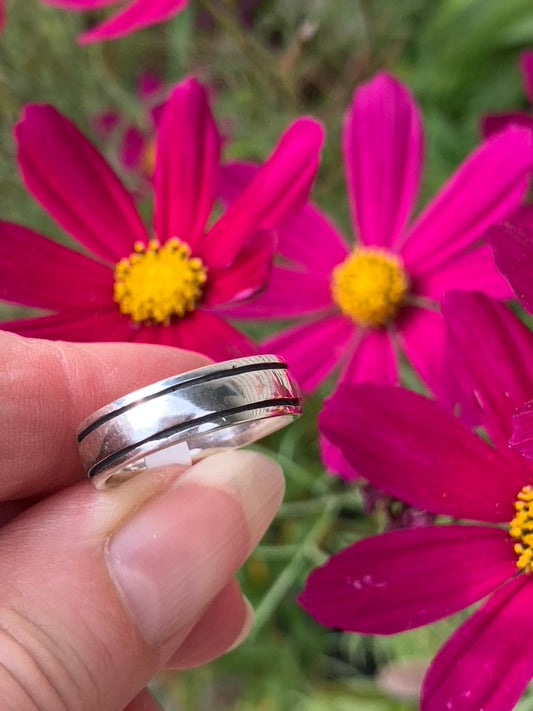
360	308
135	147
129	283
415	450
135	15
495	122
2	15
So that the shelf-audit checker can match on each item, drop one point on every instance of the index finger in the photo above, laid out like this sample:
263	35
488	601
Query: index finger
49	387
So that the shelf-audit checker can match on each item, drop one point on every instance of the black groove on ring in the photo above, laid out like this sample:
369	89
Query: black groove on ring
286	401
250	368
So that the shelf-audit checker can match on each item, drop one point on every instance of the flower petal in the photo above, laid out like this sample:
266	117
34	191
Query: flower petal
521	439
488	185
105	123
334	461
148	86
204	333
408	578
307	238
314	349
484	664
311	240
287	294
71	180
411	448
374	360
382	149
248	273
474	270
512	244
492	355
526	68
156	113
187	164
278	190
422	336
235	178
108	325
135	16
493	123
131	148
40	273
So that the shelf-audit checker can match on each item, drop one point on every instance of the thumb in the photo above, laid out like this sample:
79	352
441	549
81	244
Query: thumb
100	589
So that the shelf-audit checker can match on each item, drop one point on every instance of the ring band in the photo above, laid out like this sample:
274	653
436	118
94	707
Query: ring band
220	406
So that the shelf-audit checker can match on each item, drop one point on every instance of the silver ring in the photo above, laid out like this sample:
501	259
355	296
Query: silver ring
187	417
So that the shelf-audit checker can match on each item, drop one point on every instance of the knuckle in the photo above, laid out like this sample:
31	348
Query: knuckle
33	675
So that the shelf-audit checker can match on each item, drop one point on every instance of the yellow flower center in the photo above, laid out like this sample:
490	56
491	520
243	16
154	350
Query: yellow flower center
521	529
157	282
369	286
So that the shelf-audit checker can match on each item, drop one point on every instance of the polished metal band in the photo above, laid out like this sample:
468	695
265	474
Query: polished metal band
220	406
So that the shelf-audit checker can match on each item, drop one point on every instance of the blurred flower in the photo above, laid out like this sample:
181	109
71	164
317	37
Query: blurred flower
415	450
2	15
128	284
363	307
135	15
135	147
395	514
493	123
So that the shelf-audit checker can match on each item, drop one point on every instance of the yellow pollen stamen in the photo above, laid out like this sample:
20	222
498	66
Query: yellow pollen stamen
369	286
521	529
157	282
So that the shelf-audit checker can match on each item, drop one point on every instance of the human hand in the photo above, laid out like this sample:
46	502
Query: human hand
99	590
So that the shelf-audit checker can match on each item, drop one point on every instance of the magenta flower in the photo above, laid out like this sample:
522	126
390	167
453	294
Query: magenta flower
135	15
512	243
363	306
135	147
131	284
413	449
493	123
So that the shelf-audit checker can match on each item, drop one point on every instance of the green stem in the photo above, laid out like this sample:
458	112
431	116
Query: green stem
261	59
297	509
129	104
292	571
267	552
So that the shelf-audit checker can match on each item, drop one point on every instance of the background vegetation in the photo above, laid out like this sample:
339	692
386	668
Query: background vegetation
269	61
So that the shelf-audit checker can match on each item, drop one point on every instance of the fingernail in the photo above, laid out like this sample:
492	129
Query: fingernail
253	485
247	626
176	553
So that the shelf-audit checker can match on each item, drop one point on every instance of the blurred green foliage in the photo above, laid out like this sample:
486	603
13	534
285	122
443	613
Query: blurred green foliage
289	58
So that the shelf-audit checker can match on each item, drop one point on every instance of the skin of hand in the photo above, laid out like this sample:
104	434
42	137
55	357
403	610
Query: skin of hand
101	589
